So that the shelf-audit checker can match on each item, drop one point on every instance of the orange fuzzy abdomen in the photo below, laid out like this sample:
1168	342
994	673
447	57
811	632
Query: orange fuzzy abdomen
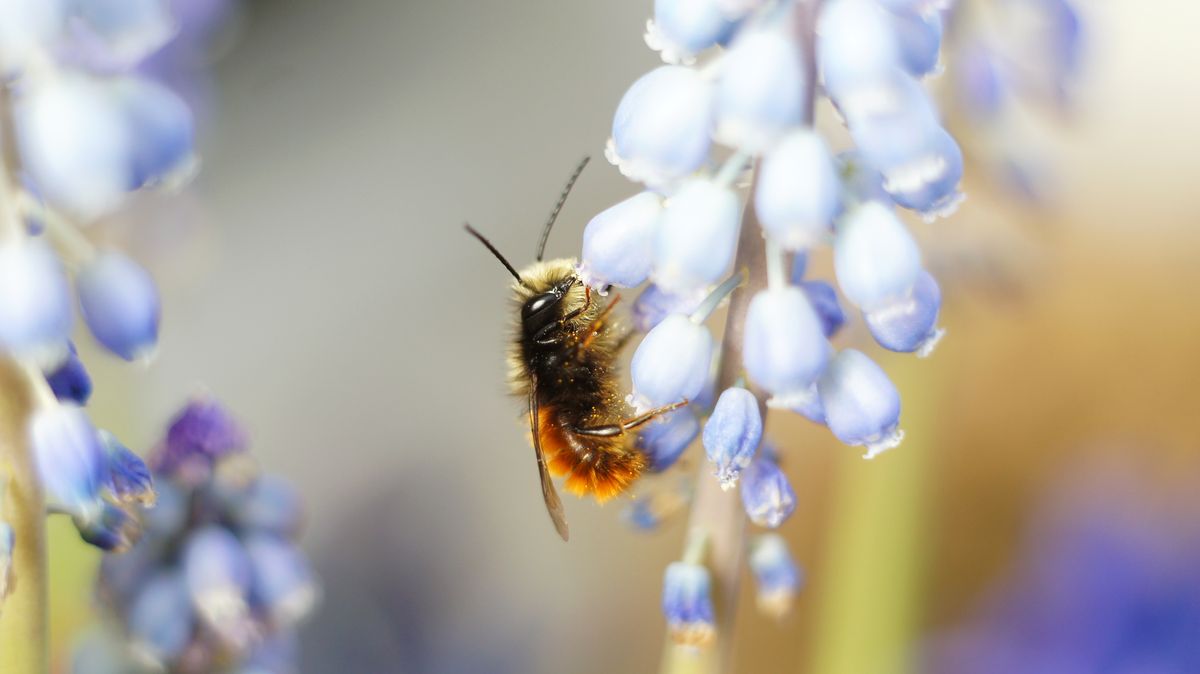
603	467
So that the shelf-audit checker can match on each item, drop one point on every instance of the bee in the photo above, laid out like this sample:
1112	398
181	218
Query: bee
562	361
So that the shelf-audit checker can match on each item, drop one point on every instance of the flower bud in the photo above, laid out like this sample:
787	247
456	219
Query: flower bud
687	604
761	90
69	458
862	406
824	301
123	31
129	479
664	440
777	578
35	302
785	347
909	324
70	381
919	39
671	364
283	583
798	192
163	133
767	495
654	304
875	258
120	304
697	237
732	434
108	527
160	619
856	45
683	28
663	126
272	506
219	578
618	246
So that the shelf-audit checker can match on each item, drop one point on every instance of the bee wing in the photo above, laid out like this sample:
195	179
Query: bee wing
554	506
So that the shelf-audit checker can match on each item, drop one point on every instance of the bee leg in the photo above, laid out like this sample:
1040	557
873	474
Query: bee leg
541	336
596	326
610	430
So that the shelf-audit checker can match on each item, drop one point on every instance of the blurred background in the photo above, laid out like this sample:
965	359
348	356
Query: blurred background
317	280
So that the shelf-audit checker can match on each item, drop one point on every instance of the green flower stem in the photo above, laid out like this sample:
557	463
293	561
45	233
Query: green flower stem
23	612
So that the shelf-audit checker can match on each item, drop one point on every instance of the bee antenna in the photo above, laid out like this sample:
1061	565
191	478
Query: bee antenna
562	199
473	232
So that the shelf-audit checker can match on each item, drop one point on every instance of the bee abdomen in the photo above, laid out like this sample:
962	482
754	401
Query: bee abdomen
602	467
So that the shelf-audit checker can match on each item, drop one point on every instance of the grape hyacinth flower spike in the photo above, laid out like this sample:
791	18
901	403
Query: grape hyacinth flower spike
218	578
760	69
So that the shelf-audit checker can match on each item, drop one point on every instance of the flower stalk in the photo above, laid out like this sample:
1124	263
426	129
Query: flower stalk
23	614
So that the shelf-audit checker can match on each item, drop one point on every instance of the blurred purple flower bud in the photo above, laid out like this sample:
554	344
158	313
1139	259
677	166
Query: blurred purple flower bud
271	505
76	142
283	584
696	237
219	579
824	301
767	495
664	440
909	324
122	32
163	133
671	364
862	406
129	479
808	406
108	527
654	304
120	304
201	434
70	381
70	460
663	126
856	45
35	302
875	258
683	28
618	244
798	193
760	90
785	346
919	38
160	620
732	434
777	578
687	604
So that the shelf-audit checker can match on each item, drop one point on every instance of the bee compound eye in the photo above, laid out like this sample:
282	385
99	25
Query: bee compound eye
537	304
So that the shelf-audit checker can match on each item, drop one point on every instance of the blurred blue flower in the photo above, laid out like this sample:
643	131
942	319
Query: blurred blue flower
35	302
69	380
919	39
687	603
777	578
1107	580
664	440
761	90
217	581
120	304
823	299
69	458
732	434
767	495
654	304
